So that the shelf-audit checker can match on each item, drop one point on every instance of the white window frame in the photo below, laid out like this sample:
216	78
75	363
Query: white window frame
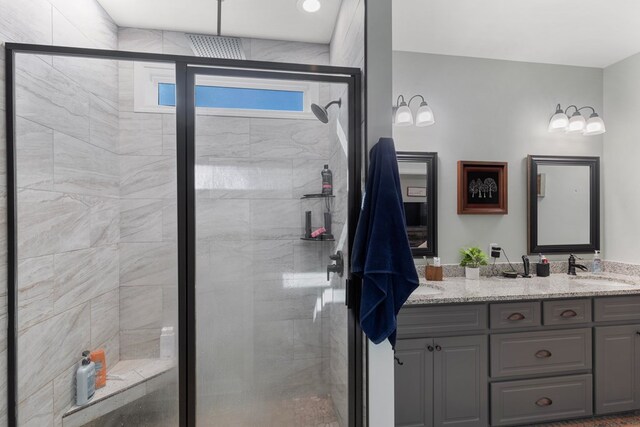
147	76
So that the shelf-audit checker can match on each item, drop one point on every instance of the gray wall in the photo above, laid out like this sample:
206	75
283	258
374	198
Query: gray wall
621	154
68	227
490	110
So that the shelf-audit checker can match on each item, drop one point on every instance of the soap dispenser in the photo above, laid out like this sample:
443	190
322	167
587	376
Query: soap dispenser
597	262
85	380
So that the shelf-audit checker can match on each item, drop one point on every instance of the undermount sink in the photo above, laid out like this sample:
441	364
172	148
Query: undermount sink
605	281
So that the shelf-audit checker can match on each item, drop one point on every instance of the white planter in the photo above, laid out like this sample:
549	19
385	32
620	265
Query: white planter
472	273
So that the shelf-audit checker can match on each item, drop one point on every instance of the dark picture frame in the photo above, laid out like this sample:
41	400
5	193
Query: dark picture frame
483	188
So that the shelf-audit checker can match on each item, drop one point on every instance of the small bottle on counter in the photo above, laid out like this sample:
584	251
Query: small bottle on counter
597	262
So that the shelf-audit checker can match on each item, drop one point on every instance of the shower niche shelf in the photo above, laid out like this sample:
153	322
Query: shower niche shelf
317	196
316	239
327	236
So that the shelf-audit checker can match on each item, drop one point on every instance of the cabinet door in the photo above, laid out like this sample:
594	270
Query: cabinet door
617	368
460	381
414	383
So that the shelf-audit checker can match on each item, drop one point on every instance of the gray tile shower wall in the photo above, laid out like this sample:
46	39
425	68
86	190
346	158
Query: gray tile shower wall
68	189
256	327
346	49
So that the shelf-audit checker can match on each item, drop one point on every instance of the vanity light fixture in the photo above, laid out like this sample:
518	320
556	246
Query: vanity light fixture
404	116
310	6
560	121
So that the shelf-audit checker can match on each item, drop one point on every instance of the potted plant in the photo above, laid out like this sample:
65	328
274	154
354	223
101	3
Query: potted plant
472	259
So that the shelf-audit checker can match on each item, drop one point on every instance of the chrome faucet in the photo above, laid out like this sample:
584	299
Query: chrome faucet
573	265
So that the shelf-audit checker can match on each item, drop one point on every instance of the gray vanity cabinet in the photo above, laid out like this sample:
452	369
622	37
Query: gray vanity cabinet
617	368
413	382
442	381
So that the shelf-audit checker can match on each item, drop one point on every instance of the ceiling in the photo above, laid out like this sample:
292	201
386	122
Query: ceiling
591	33
265	19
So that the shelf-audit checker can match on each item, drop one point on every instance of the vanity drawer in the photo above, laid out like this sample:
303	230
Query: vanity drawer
420	321
530	353
534	401
566	312
617	308
514	315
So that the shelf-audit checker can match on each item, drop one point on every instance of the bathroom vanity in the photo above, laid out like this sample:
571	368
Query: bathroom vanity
505	352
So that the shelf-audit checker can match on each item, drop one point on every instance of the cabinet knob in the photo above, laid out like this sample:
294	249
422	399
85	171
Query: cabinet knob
438	348
543	354
430	347
515	316
637	332
545	401
568	314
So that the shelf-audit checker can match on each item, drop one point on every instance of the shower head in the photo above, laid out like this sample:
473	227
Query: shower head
321	112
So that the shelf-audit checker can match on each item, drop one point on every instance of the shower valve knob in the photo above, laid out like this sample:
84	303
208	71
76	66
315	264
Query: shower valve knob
337	267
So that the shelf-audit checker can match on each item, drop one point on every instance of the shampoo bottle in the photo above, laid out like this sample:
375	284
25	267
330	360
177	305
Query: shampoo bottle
167	342
327	181
597	262
85	381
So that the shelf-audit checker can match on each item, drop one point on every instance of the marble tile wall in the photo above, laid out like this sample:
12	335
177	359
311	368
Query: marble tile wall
346	49
68	189
259	287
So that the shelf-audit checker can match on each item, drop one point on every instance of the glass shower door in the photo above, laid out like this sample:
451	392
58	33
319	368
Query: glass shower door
271	321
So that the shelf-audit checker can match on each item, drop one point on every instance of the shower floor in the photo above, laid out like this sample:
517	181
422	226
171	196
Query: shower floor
310	411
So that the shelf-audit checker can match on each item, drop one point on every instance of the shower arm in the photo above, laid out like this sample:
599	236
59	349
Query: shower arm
338	101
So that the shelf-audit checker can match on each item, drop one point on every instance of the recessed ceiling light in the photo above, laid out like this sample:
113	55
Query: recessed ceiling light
309	6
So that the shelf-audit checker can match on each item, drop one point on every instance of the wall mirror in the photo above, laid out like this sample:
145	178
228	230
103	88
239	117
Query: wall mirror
418	179
564	204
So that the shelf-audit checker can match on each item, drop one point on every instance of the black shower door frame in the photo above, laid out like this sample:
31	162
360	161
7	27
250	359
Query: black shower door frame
187	68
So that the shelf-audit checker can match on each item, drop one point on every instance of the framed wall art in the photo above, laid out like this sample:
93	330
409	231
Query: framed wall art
482	187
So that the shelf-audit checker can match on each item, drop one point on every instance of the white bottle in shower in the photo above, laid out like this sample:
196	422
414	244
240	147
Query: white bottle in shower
85	381
167	342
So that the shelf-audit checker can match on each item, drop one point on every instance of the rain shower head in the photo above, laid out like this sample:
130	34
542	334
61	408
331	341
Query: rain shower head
216	46
321	112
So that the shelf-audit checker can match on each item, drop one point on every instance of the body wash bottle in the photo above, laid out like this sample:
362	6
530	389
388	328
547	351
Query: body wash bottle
85	381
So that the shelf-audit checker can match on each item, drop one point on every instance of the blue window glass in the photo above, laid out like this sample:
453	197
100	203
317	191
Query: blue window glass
236	98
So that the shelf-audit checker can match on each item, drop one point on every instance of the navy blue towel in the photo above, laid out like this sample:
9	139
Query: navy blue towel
381	251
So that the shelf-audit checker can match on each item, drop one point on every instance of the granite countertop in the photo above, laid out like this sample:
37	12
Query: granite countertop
488	289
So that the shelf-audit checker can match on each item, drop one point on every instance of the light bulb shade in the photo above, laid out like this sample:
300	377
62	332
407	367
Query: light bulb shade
576	123
594	126
403	115
310	6
424	116
558	122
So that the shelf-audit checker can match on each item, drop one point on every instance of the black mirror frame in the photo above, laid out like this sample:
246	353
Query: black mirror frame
594	204
431	161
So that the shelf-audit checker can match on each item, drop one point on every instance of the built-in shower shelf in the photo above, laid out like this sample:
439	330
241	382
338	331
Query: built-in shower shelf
317	196
315	239
137	378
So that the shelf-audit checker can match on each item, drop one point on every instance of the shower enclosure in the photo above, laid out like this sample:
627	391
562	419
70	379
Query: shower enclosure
166	222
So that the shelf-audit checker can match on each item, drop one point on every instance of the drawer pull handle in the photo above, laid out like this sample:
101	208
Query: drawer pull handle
516	316
568	314
543	354
545	401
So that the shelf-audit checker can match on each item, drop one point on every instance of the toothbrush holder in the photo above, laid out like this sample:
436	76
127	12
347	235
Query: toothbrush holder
543	270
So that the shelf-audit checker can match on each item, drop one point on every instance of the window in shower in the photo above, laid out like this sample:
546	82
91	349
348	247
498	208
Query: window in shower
236	98
155	92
